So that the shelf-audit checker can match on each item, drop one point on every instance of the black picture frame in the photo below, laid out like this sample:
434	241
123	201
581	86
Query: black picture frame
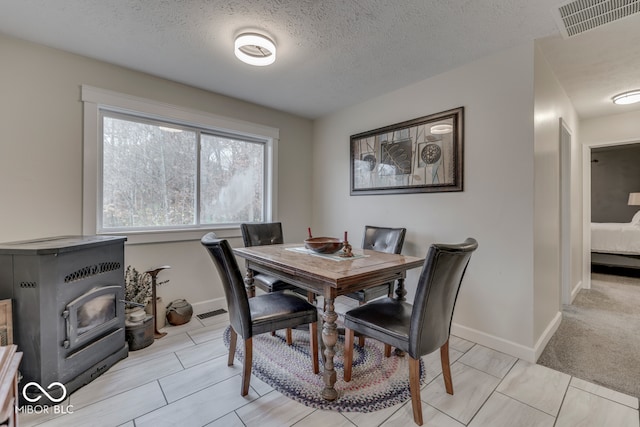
423	155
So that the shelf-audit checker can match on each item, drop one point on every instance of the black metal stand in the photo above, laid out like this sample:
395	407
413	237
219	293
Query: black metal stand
154	274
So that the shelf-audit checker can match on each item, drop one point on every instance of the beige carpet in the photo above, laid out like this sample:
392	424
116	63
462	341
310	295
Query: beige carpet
599	337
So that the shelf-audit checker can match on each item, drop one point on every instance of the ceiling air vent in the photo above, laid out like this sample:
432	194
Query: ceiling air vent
578	16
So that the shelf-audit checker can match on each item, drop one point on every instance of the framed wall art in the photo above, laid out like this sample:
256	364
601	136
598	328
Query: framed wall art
423	155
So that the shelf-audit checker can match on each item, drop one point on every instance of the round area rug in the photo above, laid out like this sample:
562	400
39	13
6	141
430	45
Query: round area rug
377	382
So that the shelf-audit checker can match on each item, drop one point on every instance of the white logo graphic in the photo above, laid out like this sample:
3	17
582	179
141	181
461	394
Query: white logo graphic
51	398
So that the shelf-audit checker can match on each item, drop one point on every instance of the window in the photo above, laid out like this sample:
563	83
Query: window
159	169
157	175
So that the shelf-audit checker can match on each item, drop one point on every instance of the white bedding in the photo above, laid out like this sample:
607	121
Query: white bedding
619	238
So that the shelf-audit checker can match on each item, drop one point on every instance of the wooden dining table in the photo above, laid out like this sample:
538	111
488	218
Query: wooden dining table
329	276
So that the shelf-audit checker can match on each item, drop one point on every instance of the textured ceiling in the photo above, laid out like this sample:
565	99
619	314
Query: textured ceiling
598	64
331	53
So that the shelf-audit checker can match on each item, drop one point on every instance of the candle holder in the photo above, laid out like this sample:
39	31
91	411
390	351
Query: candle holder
346	250
346	247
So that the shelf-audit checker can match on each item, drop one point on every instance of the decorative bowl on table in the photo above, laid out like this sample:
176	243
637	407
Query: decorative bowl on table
323	245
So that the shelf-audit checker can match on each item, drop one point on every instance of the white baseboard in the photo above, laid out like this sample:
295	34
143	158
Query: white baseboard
491	341
529	354
551	329
575	290
209	305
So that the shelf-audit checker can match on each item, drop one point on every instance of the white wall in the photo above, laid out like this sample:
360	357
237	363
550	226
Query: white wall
617	128
41	156
495	306
551	104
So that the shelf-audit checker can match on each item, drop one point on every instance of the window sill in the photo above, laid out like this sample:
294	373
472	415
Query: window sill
171	236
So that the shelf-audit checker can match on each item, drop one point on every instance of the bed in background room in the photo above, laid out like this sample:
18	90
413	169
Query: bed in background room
616	244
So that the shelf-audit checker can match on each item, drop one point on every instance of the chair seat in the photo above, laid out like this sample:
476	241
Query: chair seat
369	294
280	310
386	320
270	284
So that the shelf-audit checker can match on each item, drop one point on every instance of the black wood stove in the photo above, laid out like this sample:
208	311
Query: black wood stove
68	318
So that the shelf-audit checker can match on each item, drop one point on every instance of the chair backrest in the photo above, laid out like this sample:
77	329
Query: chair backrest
436	295
383	239
232	283
261	233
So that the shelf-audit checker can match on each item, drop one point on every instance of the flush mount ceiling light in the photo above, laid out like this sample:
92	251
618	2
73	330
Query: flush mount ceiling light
624	98
255	49
441	129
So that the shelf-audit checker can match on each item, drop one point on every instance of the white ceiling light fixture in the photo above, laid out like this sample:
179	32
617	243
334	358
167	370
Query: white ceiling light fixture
625	98
441	129
255	49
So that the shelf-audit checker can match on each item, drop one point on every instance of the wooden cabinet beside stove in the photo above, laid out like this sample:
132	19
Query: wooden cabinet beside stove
9	362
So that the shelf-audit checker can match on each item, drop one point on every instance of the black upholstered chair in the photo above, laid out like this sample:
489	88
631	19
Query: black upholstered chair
381	239
260	314
264	233
417	329
269	233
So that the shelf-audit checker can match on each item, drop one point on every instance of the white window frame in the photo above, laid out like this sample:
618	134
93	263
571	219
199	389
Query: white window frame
95	98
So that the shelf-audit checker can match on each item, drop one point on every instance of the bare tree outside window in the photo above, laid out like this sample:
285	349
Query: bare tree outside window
232	177
150	176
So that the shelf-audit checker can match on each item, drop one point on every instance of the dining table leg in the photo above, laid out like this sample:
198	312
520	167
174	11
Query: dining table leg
401	293
329	338
248	284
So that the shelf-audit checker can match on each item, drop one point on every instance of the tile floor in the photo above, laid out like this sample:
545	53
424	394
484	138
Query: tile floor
183	380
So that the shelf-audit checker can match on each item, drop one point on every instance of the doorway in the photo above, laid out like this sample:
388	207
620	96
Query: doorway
619	195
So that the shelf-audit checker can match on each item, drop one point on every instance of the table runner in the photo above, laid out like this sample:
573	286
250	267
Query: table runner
333	257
